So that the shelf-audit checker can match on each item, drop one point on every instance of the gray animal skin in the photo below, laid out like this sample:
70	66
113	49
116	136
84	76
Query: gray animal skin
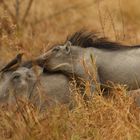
135	94
56	88
45	90
114	62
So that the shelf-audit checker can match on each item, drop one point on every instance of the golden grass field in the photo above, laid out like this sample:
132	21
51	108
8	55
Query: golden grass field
49	22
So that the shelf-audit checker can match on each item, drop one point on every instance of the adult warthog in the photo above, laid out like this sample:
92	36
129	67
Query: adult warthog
114	62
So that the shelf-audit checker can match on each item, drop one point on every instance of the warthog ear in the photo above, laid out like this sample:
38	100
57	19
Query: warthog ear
67	47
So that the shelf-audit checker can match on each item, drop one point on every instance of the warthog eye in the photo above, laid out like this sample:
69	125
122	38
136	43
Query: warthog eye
16	77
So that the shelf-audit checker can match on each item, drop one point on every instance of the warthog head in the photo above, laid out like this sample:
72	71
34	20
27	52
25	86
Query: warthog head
18	83
63	58
58	58
23	78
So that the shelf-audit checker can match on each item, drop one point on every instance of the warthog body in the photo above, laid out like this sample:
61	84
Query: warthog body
114	62
56	88
47	89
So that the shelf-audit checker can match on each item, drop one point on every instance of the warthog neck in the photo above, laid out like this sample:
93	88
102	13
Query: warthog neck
86	62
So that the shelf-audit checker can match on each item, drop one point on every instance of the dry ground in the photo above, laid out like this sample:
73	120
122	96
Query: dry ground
48	22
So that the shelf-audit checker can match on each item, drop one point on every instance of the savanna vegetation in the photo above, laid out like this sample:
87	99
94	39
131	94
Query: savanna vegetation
32	27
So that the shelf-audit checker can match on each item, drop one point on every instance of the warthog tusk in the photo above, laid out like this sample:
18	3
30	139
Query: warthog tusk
61	65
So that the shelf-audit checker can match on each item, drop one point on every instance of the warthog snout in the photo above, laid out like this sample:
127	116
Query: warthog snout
42	59
57	58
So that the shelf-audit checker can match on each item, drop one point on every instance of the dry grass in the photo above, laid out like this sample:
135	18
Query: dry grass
99	118
49	22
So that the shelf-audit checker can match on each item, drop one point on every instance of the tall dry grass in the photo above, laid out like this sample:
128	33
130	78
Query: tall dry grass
50	22
98	118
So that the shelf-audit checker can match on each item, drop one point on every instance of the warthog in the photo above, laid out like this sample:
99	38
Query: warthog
114	62
47	89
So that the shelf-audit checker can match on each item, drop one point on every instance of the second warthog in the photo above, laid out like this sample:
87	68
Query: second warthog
45	90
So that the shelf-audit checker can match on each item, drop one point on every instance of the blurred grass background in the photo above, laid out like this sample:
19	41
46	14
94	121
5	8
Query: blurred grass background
50	21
